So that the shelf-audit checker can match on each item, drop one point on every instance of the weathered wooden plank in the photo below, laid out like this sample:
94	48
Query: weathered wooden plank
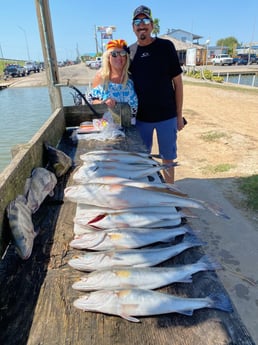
36	296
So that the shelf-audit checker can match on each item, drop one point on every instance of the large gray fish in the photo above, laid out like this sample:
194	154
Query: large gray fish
119	196
164	187
143	277
140	302
22	228
126	238
125	158
82	229
41	183
142	257
118	153
86	172
128	219
59	162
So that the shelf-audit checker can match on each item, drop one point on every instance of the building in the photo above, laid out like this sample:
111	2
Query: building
185	41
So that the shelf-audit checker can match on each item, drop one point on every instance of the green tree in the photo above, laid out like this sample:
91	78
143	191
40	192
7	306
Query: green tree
156	27
230	42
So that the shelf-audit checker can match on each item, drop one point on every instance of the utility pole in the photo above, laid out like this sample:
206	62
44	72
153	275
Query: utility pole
26	42
96	40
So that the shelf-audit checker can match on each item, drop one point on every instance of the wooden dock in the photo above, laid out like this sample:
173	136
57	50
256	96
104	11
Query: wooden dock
36	299
4	85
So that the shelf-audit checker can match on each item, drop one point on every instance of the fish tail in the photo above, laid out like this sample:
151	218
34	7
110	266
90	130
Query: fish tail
208	263
215	209
220	301
194	241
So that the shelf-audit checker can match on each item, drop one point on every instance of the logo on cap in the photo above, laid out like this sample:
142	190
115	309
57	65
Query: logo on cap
142	10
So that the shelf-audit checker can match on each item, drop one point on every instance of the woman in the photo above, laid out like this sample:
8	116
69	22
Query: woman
111	83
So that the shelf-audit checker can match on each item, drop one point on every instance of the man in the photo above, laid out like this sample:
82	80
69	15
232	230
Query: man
157	77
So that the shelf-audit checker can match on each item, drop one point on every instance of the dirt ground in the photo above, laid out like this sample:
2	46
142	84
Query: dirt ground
220	140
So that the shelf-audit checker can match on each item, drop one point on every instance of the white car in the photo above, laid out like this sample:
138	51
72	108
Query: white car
94	64
222	59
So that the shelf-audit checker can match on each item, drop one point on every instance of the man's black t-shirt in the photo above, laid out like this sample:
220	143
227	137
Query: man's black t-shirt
152	69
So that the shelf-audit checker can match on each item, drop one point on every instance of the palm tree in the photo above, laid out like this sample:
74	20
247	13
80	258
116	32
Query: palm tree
156	27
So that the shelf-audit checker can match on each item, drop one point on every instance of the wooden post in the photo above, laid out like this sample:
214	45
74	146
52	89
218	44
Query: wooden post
49	53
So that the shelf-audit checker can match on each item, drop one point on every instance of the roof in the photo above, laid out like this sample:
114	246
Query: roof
180	45
195	37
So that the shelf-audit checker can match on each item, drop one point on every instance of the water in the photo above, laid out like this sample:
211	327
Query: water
244	80
22	112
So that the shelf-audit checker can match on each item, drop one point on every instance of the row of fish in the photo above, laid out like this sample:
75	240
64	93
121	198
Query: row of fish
116	218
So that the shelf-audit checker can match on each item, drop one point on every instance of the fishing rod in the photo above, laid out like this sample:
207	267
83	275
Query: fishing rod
83	97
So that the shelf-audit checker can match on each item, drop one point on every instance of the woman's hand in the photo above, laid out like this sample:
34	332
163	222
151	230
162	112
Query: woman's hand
110	102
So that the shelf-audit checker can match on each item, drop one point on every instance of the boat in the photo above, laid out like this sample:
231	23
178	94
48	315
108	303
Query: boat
36	295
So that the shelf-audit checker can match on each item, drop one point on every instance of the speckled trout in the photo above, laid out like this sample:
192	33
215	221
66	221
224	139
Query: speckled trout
143	277
140	302
142	257
119	196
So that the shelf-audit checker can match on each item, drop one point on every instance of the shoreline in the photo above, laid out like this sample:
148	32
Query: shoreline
81	75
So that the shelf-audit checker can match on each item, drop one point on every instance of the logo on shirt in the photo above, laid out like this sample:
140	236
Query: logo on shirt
145	54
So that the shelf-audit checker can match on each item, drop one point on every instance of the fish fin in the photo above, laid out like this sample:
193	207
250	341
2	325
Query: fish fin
129	318
97	218
186	312
220	301
187	214
215	209
209	263
186	280
125	312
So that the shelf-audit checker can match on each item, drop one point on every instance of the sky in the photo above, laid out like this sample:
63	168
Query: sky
74	23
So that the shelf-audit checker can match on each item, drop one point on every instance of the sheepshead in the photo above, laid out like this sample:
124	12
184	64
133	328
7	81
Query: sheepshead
22	228
143	277
139	302
126	238
87	172
41	183
119	196
59	162
131	257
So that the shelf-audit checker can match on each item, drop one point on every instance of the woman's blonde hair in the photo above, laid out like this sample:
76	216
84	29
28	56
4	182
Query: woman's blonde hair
106	67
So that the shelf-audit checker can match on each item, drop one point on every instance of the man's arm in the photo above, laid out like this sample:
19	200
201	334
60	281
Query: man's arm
178	86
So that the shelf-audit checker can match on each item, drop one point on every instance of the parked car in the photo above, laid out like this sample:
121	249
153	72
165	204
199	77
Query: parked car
14	70
94	64
31	67
222	59
250	58
240	61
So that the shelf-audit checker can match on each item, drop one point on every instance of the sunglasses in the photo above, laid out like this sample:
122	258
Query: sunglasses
120	53
145	21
